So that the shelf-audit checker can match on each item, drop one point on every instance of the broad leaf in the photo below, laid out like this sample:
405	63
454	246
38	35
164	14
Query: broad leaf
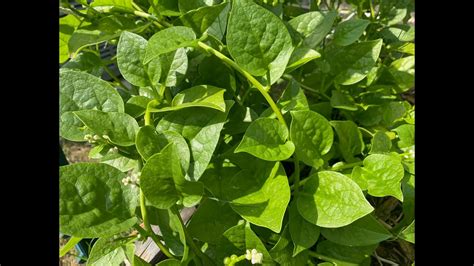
312	135
211	220
303	233
266	138
344	101
363	232
94	202
162	180
350	64
350	139
258	40
300	56
344	255
169	40
381	175
173	67
381	143
120	128
172	231
201	128
293	98
67	25
109	250
349	31
198	96
406	136
136	105
201	19
331	199
130	54
260	194
85	61
79	91
313	26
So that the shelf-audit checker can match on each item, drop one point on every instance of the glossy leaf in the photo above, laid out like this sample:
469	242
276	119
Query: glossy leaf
293	98
202	18
381	175
312	135
162	180
342	101
173	67
120	128
109	250
136	105
349	139
211	220
260	194
300	56
172	231
198	96
130	54
201	128
381	143
94	202
331	199
409	233
349	31
67	25
85	61
258	40
314	26
303	233
266	138
169	40
350	64
406	136
363	232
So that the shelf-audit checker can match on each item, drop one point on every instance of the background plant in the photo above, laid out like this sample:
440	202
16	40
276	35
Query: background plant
285	125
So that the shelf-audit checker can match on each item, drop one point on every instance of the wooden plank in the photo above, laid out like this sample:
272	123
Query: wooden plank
148	250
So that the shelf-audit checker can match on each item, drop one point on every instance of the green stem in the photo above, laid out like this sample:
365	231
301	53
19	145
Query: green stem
189	240
107	69
372	11
366	131
155	239
252	80
233	262
345	166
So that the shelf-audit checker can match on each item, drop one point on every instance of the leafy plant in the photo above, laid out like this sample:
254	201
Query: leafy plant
284	126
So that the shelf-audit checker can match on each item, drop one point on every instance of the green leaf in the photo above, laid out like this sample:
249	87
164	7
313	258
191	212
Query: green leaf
266	138
216	178
350	139
282	251
201	128
173	67
381	143
349	31
260	194
126	4
300	56
120	162
393	11
69	245
342	101
189	5
197	96
381	175
219	26
331	199
130	54
363	232
67	25
167	7
406	136
79	91
168	40
169	262
106	28
312	135
303	233
393	111
211	220
293	98
72	128
86	61
409	233
202	18
149	142
403	72
109	250
237	239
344	255
314	26
162	180
119	127
350	64
258	40
172	231
94	202
136	105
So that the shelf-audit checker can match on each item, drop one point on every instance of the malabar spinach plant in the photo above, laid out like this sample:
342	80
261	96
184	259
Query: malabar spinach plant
283	124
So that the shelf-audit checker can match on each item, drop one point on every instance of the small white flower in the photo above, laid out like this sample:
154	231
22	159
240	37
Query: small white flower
96	137
87	136
126	180
254	256
106	137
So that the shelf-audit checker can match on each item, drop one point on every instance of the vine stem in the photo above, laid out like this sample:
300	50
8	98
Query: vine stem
319	256
262	89
155	239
